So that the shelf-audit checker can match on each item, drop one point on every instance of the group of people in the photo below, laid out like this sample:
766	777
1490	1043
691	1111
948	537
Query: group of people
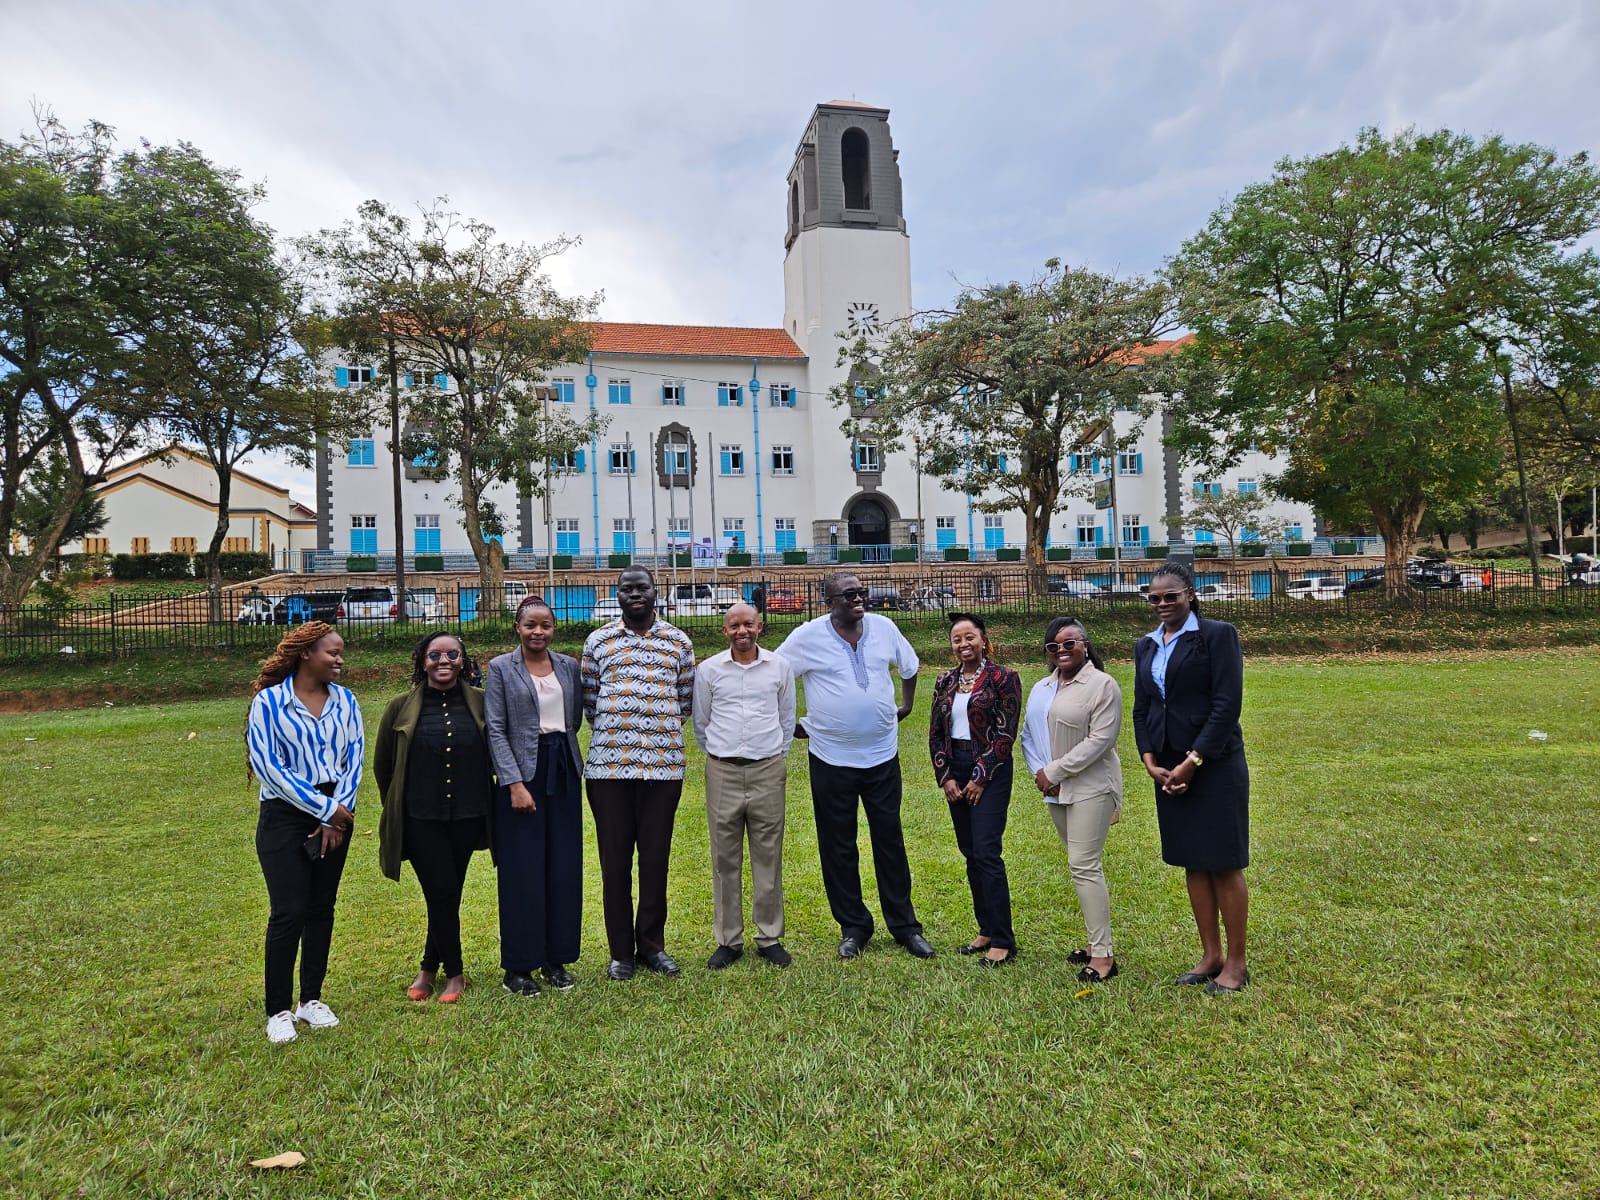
461	769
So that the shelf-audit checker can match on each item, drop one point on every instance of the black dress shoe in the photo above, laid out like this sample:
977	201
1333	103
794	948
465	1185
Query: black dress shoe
518	983
775	954
1216	989
973	948
987	962
851	947
723	956
1080	956
660	962
559	978
1193	979
918	945
619	969
1090	975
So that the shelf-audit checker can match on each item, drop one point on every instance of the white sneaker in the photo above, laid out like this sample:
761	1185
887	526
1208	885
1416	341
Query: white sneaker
316	1014
280	1028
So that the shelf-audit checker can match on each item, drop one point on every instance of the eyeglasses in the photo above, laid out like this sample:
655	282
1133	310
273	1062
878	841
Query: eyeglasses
1164	597
1062	647
439	655
851	594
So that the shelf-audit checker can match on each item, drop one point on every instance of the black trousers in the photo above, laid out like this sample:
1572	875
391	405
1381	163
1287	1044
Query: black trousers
539	860
836	793
980	829
301	892
440	852
629	815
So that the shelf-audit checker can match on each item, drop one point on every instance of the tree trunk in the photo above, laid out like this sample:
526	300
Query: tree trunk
18	571
213	554
397	473
491	561
1522	478
1399	530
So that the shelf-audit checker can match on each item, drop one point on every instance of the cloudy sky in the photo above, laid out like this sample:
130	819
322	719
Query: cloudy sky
661	134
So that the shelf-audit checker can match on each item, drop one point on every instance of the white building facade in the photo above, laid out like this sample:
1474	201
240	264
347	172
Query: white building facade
723	438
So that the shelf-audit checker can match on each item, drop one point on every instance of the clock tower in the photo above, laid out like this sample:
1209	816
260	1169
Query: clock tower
847	270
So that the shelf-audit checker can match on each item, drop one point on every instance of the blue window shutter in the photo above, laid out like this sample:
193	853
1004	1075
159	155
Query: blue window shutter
442	381
1099	535
1144	535
1072	464
341	377
633	462
1138	464
579	462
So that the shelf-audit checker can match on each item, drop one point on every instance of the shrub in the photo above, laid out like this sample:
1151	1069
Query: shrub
1060	554
1206	551
1343	547
361	562
618	561
1156	551
1008	554
243	564
738	558
1432	553
428	562
955	554
794	558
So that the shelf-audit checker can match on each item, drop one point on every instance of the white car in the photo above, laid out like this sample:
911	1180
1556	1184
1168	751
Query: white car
605	610
1315	589
1220	591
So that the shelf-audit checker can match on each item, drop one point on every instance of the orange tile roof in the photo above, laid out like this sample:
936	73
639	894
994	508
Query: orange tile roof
693	341
1156	349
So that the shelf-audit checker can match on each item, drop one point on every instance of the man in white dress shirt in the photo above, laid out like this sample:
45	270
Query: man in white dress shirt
744	721
852	723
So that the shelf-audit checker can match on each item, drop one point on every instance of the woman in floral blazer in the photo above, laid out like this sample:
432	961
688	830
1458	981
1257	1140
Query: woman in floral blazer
976	708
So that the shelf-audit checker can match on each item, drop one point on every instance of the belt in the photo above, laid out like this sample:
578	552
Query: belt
737	762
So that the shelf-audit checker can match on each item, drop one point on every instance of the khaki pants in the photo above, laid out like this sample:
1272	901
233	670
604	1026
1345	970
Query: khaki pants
741	800
1082	827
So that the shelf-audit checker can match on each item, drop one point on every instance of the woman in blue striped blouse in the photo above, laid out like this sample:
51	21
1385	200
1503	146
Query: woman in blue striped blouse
304	743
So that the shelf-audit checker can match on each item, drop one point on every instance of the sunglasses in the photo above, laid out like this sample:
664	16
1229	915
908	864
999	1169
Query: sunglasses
851	594
1164	597
441	655
1062	647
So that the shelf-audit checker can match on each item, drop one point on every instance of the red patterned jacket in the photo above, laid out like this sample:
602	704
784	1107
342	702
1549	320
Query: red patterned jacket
994	708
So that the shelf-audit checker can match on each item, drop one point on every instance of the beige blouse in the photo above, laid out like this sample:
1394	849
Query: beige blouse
1084	721
552	706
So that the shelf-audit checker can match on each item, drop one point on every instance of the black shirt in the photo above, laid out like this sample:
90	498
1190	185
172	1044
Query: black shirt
447	768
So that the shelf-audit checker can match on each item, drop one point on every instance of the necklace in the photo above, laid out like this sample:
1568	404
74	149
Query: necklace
965	682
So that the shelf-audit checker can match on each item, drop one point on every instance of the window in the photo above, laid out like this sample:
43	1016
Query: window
781	395
944	532
564	391
567	537
624	461
416	379
183	545
994	532
783	533
427	460
1249	535
1129	463
853	147
363	533
733	533
673	392
1294	533
619	391
1247	487
730	460
102	545
868	461
351	376
1205	487
139	545
1204	537
425	534
1082	464
362	453
230	545
729	395
1090	532
1133	532
622	535
677	529
674	458
570	463
783	460
995	464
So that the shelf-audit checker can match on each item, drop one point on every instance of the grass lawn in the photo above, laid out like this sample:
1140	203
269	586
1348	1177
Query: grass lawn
1422	1019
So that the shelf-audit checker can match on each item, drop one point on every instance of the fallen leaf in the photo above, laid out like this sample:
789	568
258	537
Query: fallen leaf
192	736
289	1158
1532	840
1082	994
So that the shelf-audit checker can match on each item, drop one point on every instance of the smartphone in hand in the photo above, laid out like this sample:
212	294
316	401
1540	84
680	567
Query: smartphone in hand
313	845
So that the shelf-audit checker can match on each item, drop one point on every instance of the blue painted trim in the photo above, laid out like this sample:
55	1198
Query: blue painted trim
594	455
755	413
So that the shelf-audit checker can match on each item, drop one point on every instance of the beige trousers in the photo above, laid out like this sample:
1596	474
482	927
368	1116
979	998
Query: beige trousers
746	801
1082	827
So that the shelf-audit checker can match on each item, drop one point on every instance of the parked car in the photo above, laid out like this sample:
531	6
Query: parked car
1315	589
1220	591
422	604
1427	573
367	606
515	593
606	610
299	607
932	598
785	600
1078	589
1370	580
881	599
701	600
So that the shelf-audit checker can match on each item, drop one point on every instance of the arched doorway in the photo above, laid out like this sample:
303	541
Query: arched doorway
869	527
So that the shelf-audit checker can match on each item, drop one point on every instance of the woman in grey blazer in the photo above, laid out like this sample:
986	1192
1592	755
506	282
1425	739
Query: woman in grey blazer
533	704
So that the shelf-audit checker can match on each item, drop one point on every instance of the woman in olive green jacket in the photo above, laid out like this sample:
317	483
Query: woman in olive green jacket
433	769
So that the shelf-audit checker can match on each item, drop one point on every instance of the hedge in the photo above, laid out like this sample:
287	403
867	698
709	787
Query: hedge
1008	554
794	558
166	565
361	562
1058	554
1207	551
239	564
428	562
1156	551
1299	549
955	554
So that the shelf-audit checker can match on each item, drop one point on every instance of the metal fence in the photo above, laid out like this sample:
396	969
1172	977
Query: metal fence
118	626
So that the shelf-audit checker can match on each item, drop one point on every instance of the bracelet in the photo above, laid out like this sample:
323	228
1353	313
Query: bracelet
1195	759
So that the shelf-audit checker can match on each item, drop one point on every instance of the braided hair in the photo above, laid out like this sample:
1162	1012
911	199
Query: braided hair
419	655
281	664
1053	631
1178	571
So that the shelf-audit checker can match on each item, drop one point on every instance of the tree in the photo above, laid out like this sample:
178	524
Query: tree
38	507
224	357
997	391
1345	306
1229	512
455	302
78	273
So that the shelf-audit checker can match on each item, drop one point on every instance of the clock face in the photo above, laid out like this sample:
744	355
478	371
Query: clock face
863	317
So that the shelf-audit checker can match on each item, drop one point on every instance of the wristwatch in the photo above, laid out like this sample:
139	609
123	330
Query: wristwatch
1195	759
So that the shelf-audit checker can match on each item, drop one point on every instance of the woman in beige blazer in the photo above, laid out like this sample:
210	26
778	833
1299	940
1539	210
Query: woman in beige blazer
1069	741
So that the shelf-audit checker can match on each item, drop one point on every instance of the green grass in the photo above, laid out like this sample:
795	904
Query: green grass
1422	1019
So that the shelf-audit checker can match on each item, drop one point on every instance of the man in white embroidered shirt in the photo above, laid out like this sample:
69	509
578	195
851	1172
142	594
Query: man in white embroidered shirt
852	723
744	721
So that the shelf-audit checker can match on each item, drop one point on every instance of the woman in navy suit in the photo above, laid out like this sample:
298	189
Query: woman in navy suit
533	704
1187	691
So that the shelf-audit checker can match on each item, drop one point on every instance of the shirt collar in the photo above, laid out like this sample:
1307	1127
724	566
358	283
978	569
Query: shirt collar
1192	625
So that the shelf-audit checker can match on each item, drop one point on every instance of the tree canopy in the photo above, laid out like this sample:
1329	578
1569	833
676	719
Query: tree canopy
1352	306
994	393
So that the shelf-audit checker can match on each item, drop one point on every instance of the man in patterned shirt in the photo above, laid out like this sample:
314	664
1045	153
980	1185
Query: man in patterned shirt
638	690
